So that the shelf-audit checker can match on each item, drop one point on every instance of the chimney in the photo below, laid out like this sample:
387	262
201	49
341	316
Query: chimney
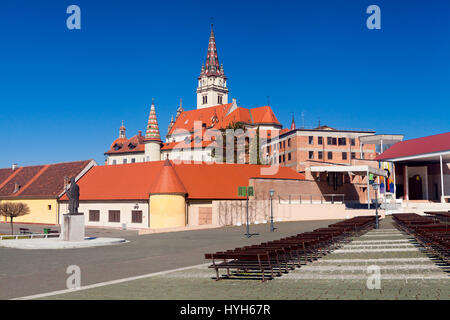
16	187
14	166
140	133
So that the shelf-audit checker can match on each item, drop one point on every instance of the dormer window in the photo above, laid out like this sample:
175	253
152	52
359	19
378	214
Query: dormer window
197	139
131	146
117	146
187	140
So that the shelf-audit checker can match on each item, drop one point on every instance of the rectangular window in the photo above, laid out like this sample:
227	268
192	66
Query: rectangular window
133	160
320	155
136	216
268	149
205	99
280	144
320	140
219	99
342	141
289	156
114	215
353	155
289	142
352	141
330	155
124	161
279	159
94	215
334	141
344	155
284	158
311	155
311	140
284	144
114	161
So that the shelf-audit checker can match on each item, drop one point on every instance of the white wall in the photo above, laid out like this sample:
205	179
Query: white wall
188	154
139	157
125	213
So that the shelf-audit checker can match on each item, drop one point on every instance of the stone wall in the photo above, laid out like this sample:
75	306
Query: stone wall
233	212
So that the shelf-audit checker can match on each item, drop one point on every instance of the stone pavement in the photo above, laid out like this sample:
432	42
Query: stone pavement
30	272
406	273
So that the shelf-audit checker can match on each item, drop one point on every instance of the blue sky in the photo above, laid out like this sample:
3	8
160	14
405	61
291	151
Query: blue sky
63	93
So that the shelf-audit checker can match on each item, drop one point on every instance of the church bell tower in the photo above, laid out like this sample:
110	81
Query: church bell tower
212	83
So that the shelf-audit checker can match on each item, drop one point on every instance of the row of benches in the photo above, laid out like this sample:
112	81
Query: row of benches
270	259
428	231
441	215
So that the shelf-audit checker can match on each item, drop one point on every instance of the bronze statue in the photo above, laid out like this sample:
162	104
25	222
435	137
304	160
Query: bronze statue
73	193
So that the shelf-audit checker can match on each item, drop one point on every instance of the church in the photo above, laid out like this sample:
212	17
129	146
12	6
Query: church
187	137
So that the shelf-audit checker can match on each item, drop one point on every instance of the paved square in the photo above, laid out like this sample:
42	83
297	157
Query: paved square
406	273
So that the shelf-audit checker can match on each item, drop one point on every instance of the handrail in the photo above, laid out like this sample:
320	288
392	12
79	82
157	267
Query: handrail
304	196
29	236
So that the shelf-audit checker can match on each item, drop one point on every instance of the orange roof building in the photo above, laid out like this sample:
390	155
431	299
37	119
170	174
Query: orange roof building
40	187
164	194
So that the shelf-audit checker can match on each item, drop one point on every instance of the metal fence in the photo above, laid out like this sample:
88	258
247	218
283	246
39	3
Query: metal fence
29	236
311	199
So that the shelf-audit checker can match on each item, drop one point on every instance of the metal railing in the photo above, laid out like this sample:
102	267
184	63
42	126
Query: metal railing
310	198
28	236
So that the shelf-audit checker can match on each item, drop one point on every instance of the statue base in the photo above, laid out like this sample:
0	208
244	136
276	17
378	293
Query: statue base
72	228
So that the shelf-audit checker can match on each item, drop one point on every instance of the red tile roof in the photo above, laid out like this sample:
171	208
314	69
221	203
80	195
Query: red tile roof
132	145
4	174
167	182
263	115
135	181
419	146
39	181
218	117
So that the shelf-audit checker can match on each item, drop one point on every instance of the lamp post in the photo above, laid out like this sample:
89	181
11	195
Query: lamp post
375	187
271	192
247	224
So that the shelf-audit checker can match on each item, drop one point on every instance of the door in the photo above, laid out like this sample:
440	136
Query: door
415	188
204	215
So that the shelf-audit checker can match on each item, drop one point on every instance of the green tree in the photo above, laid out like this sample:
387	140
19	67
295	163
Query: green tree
12	210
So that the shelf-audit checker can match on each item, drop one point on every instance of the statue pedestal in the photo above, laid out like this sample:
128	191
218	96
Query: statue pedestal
72	228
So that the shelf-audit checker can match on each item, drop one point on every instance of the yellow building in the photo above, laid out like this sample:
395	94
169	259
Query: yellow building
39	187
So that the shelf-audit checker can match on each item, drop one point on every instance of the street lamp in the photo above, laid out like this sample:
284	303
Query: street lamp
271	192
375	187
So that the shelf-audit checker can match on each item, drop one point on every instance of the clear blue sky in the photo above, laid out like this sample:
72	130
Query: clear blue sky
63	93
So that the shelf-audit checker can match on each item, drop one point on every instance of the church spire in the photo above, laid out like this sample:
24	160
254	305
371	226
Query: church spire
212	66
293	123
212	83
152	132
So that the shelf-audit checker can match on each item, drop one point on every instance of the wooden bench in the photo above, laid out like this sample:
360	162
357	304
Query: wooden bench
433	235
25	231
273	258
